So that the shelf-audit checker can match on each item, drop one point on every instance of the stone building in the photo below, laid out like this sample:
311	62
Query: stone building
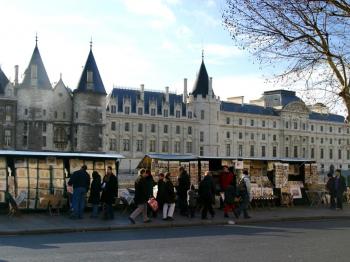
34	115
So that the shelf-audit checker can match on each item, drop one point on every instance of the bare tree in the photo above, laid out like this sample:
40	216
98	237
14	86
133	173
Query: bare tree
304	40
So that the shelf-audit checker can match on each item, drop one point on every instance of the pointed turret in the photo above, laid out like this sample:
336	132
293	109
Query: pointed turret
90	80
3	82
201	85
35	74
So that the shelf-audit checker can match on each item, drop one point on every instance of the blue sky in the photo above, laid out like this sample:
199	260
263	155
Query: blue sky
151	42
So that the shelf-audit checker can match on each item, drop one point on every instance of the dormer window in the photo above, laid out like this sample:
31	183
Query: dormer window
153	111
127	110
177	113
165	113
113	109
89	80
34	72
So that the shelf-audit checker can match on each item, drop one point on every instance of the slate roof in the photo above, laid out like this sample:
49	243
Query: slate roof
284	97
326	117
201	85
3	82
159	98
43	81
97	86
248	109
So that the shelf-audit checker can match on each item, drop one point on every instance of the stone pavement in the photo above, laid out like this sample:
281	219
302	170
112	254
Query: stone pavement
43	223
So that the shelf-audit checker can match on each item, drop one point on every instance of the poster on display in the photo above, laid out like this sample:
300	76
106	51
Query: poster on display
295	191
239	165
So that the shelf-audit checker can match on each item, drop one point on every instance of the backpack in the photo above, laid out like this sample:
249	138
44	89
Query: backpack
242	188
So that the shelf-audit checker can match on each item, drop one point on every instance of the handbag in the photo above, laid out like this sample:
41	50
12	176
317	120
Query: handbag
152	202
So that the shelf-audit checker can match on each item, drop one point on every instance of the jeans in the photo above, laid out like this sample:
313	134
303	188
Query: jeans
78	201
141	208
109	212
168	210
94	210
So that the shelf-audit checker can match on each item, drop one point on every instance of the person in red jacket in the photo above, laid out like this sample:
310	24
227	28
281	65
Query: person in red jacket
226	179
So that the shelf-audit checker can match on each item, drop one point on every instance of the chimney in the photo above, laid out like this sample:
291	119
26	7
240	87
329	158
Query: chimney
167	94
185	91
142	92
16	75
210	91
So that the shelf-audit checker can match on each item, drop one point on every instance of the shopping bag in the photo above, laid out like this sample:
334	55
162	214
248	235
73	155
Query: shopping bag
152	202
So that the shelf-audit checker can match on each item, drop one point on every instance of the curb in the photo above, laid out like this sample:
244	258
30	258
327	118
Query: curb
165	225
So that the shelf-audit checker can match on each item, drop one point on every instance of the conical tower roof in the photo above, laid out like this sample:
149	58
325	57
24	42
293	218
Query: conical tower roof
201	85
3	82
90	80
35	75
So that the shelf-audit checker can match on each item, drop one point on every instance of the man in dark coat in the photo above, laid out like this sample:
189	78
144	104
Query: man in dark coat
340	188
331	190
141	197
80	180
206	193
184	183
109	193
95	193
161	191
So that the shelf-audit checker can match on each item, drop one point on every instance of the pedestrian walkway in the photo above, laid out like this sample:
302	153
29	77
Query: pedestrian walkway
41	223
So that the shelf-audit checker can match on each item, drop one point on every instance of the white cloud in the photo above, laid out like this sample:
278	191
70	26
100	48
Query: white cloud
205	18
183	32
211	3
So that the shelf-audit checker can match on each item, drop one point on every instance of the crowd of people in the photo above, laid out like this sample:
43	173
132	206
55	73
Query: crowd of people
235	196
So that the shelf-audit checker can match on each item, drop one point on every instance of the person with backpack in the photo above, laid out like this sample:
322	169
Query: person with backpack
245	194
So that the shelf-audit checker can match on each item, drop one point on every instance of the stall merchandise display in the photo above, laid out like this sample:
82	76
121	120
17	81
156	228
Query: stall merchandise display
311	174
3	179
281	175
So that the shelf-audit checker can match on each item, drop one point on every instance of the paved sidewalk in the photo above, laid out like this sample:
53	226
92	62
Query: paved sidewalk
41	223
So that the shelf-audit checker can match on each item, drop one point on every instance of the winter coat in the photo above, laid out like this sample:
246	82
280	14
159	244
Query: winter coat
80	178
247	192
230	194
341	185
141	192
226	179
169	192
161	191
330	186
110	190
95	192
184	183
150	184
192	198
206	189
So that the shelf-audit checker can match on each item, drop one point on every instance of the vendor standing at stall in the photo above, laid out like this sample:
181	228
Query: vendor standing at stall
184	184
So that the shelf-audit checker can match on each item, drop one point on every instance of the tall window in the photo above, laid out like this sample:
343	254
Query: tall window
304	152
274	151
190	130
287	125
312	152
251	122
140	127
251	136
177	114
190	115
227	120
330	153
178	130
55	114
348	154
113	144
321	128
228	150
8	110
295	125
274	124
240	121
201	136
240	150
139	145
44	127
177	147
188	147
152	146
295	151
263	151
7	138
274	137
166	113
312	139
202	114
252	149
113	126
127	110
227	135
339	154
140	111
153	111
263	123
44	141
127	127
321	153
240	135
263	137
330	141
201	151
153	128
330	129
166	127
113	109
312	127
287	152
126	145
